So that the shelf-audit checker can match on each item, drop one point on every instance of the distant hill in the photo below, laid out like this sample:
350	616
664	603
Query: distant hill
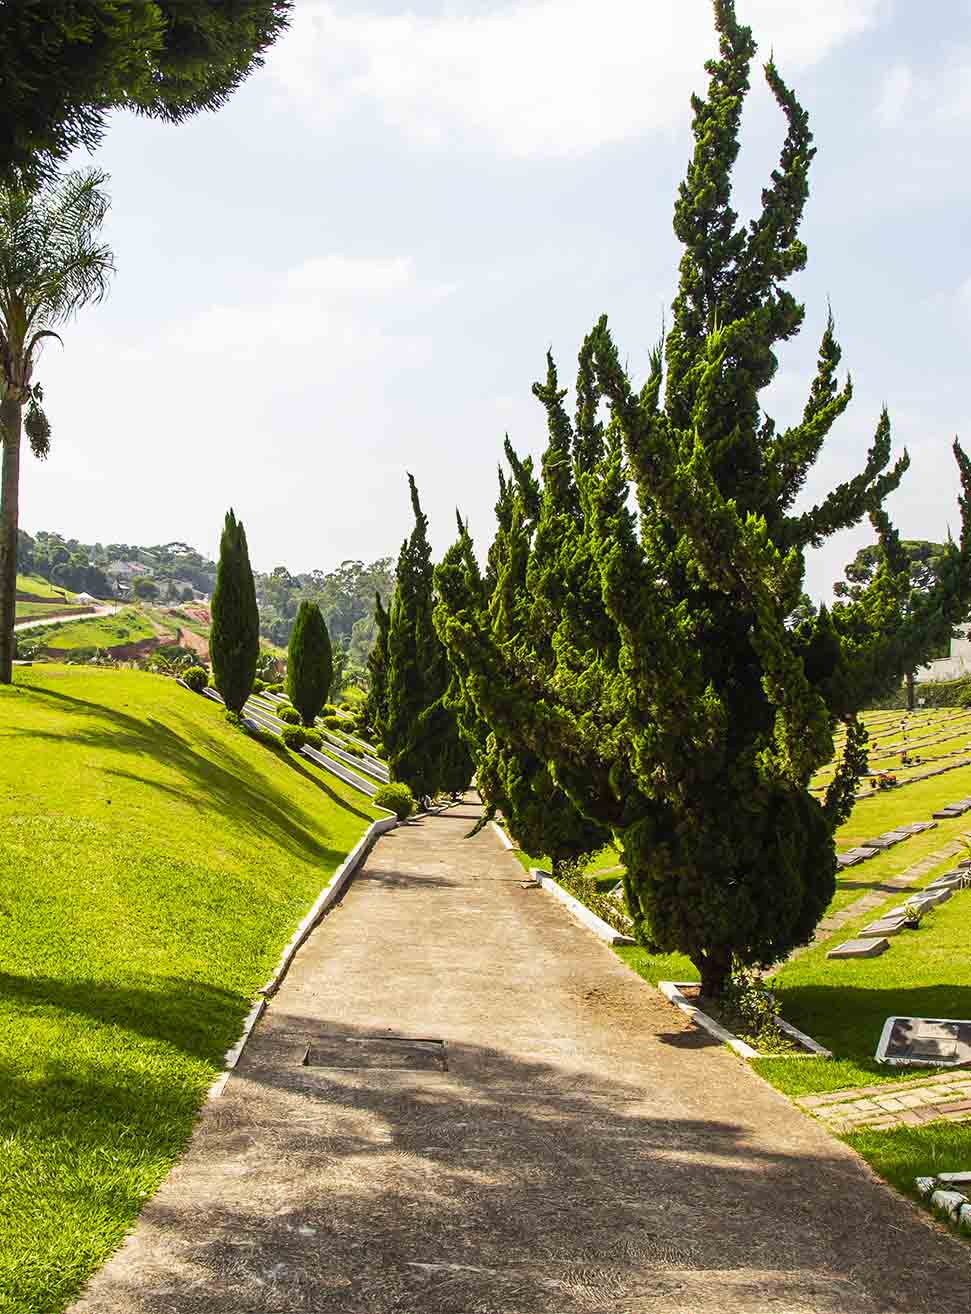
176	573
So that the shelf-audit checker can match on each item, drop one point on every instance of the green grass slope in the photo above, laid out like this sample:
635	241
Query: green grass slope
126	626
153	863
40	588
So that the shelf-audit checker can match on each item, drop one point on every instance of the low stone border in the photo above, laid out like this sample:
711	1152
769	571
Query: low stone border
503	837
950	1195
672	990
580	911
328	895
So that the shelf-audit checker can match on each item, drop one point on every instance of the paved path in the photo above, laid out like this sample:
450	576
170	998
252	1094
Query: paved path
585	1150
37	621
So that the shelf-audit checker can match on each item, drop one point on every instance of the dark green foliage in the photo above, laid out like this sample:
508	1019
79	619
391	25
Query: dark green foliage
376	703
196	678
511	777
310	664
294	737
328	709
234	638
418	726
258	686
397	798
64	64
313	738
333	722
651	662
288	714
924	561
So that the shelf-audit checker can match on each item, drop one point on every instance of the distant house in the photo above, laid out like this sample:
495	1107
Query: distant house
118	570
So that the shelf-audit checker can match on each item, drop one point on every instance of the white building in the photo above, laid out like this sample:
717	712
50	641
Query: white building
949	668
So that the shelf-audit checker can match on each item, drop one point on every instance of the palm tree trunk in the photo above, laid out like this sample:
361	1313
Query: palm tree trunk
10	425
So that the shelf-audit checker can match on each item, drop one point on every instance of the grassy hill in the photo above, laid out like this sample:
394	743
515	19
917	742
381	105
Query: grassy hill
40	588
153	862
126	626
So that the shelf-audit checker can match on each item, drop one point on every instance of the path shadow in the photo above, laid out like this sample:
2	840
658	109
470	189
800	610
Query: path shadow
509	1186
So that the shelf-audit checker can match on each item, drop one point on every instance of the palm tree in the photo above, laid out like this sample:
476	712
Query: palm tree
51	264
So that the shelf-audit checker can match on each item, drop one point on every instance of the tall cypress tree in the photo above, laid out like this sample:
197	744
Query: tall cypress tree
411	656
234	637
375	706
310	662
657	676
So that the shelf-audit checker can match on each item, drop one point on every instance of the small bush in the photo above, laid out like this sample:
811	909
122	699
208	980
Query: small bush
294	737
288	714
196	678
397	798
332	722
313	738
258	686
264	736
328	709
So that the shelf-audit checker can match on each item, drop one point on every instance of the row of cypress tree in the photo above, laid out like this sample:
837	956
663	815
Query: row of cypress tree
234	638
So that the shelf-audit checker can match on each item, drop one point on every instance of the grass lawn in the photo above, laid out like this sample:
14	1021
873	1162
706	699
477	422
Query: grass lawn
153	863
126	626
40	588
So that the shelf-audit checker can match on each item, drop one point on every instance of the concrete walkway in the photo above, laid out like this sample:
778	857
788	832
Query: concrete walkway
584	1151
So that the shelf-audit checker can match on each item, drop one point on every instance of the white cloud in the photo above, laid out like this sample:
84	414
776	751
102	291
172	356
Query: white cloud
325	302
543	78
345	275
895	95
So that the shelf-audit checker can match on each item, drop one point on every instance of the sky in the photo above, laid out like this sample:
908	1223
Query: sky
356	267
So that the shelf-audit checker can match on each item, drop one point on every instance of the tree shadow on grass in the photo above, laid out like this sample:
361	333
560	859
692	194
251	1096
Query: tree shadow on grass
229	782
200	1019
848	1019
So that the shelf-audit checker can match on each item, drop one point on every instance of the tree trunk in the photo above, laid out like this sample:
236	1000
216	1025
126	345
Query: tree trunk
910	691
10	423
715	967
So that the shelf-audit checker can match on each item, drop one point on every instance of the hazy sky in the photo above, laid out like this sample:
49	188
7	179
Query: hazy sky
357	266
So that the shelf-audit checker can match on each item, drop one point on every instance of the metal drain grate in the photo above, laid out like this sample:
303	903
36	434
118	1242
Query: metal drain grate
404	1053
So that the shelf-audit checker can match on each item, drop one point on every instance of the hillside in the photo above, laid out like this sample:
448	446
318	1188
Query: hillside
176	574
155	862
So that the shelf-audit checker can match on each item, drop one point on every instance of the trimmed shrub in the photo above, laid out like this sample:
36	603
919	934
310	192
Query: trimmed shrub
264	736
397	798
258	686
196	678
294	737
310	663
332	722
328	709
313	738
288	714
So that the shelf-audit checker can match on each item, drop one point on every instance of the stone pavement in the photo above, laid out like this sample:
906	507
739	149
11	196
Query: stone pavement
573	1147
904	1103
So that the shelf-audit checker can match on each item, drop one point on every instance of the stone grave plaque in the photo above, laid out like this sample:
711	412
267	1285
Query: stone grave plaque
881	842
924	1040
860	948
890	925
946	882
847	859
944	814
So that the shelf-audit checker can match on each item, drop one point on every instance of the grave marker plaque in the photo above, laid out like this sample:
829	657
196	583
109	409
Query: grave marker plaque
935	1041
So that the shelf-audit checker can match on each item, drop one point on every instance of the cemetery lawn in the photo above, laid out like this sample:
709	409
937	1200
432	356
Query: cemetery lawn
154	861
